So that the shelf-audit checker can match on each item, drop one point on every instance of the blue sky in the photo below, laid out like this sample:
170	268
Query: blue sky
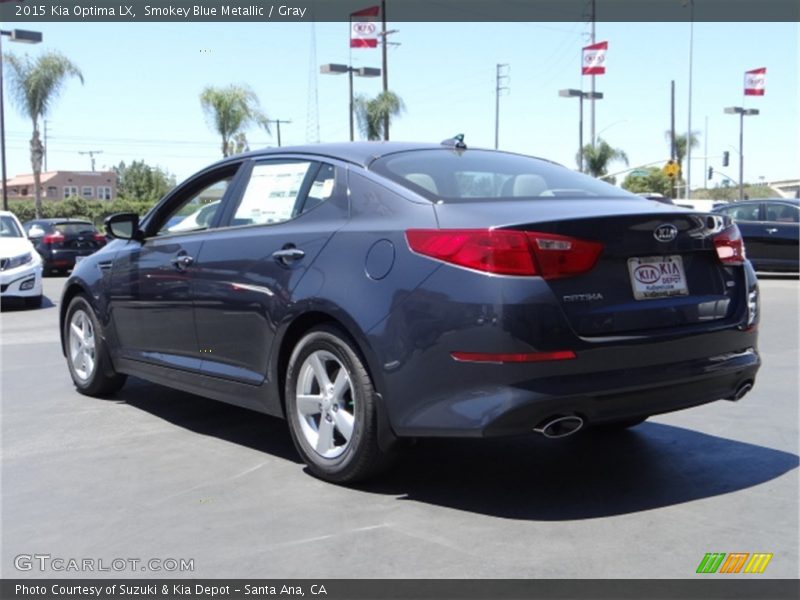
142	82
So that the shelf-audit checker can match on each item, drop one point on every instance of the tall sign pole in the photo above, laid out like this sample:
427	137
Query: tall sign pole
385	65
594	41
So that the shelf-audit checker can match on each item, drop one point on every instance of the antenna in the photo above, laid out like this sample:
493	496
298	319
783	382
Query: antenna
91	154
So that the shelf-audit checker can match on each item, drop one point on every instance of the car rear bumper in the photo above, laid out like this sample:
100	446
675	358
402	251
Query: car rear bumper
64	259
492	409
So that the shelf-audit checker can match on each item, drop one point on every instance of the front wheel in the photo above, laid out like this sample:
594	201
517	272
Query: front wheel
331	408
87	354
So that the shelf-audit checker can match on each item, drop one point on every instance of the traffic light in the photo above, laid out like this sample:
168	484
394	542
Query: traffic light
726	158
710	172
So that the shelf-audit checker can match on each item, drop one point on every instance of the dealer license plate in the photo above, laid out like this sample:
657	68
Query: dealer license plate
657	277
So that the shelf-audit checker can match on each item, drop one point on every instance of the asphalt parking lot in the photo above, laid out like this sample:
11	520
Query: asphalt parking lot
157	474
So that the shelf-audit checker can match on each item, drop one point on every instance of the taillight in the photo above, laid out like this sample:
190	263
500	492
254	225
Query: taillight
99	238
53	238
507	252
730	246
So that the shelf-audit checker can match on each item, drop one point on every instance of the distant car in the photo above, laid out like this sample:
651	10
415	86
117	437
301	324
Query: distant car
770	228
63	242
20	264
369	292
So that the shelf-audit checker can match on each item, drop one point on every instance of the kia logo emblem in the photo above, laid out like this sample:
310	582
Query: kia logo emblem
665	233
364	28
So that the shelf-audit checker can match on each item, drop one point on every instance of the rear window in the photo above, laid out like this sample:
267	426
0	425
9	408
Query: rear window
74	228
452	175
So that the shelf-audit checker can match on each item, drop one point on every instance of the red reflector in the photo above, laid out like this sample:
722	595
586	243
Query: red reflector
512	358
507	252
730	246
99	237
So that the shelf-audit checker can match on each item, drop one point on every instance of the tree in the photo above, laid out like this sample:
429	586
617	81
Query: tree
35	85
680	145
655	180
140	181
231	110
375	114
597	158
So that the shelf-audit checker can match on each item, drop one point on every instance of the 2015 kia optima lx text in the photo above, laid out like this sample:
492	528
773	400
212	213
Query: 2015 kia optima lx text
370	292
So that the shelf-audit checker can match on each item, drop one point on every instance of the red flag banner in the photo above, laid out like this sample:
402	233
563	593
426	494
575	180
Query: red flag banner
363	28
755	82
594	59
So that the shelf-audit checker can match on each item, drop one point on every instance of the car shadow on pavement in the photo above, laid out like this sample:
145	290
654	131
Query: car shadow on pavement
209	417
587	476
15	304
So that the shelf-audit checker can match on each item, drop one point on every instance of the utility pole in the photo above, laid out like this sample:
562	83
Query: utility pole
705	153
91	154
689	127
385	65
278	123
672	149
594	40
501	79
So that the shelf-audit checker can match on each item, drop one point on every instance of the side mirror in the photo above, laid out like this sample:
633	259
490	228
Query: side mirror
123	226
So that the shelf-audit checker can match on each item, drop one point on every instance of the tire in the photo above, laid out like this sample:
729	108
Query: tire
34	301
87	354
621	425
331	408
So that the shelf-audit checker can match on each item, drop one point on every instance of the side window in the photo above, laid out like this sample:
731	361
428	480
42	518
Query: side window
197	211
276	192
747	212
321	189
782	213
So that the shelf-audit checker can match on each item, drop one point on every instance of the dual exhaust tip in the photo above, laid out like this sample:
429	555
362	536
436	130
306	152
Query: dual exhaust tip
560	427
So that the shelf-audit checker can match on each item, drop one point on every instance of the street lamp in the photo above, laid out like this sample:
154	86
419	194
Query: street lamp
580	95
742	112
24	37
336	69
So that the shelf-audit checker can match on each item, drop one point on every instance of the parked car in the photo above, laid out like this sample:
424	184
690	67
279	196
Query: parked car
771	232
63	242
20	265
375	292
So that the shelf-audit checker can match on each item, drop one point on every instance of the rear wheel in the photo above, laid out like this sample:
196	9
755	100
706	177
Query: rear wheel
87	353
331	408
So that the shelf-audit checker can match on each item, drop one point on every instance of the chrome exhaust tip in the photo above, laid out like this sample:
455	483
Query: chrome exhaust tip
559	427
741	391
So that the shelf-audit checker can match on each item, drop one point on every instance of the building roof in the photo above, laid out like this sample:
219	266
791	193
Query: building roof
27	178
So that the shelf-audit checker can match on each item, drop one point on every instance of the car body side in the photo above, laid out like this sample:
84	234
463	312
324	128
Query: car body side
407	313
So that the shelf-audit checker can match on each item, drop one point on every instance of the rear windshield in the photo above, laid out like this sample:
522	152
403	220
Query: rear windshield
453	176
74	228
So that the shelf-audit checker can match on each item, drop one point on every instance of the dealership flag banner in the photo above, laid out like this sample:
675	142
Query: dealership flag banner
363	28
755	82
594	59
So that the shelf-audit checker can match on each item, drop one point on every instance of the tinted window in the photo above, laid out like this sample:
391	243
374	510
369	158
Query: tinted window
73	228
745	212
9	228
460	175
782	213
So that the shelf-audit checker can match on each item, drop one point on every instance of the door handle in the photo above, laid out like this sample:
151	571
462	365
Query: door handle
288	255
182	261
772	230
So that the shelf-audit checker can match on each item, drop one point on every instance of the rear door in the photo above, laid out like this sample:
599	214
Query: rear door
781	230
245	273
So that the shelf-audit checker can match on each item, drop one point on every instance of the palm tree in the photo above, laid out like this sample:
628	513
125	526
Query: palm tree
231	110
680	145
597	158
376	114
35	84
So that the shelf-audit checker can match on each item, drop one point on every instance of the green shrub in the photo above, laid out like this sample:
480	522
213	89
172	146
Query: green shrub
93	210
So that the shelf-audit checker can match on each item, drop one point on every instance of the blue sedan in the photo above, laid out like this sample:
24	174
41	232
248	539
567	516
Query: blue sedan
371	293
